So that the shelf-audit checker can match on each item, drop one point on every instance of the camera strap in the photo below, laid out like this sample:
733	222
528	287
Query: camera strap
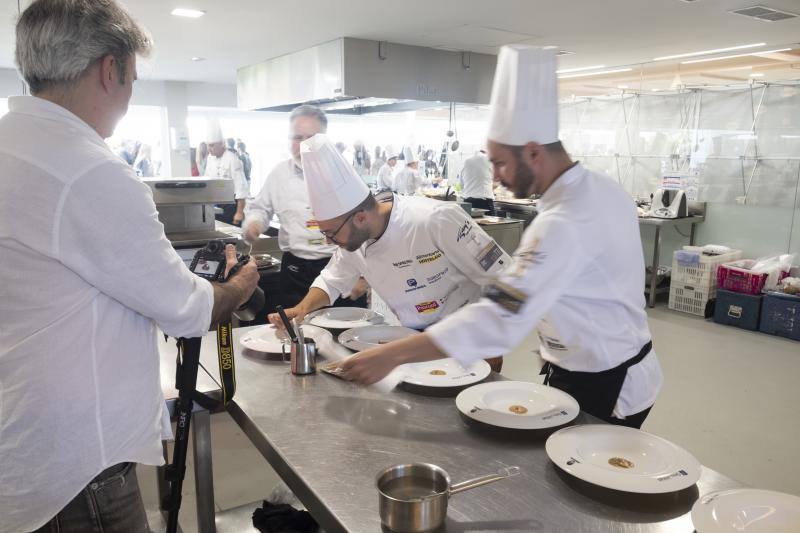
227	367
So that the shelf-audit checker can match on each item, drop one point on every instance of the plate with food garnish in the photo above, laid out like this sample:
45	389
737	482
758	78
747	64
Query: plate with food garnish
443	377
623	458
366	337
517	405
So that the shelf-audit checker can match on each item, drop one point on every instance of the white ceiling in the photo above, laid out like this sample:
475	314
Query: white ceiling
235	33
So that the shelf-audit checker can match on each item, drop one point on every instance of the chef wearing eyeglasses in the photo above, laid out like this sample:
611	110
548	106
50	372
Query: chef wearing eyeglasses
577	278
423	257
305	252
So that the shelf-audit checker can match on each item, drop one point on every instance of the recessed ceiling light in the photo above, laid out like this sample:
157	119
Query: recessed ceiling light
655	90
586	74
622	86
198	58
757	75
565	70
706	52
734	56
188	13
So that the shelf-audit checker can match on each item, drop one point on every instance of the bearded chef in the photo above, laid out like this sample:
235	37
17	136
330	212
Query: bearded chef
222	163
408	180
577	277
424	258
385	179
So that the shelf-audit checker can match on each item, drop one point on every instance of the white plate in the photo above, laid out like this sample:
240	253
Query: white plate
367	337
655	465
343	318
542	407
747	510
269	338
445	373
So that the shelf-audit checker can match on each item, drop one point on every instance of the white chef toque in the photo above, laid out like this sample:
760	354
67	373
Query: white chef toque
524	104
214	132
333	186
408	155
390	153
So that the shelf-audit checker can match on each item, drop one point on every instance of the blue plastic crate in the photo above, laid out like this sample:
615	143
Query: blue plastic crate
737	309
780	315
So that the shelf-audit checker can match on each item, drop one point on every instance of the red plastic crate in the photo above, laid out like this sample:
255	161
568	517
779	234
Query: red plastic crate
737	278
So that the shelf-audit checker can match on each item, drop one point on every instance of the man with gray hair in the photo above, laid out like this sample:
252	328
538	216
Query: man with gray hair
88	276
305	252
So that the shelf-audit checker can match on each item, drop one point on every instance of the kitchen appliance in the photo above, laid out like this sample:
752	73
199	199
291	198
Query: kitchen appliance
413	497
669	203
186	208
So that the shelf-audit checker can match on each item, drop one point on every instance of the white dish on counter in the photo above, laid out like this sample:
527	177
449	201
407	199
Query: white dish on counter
269	339
343	318
445	373
748	511
517	405
623	458
366	337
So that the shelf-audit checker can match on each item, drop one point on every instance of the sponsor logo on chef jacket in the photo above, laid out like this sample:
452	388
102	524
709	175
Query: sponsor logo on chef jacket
429	257
413	285
464	231
438	276
427	307
403	264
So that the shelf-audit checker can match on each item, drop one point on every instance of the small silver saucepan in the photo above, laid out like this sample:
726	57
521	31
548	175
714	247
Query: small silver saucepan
413	497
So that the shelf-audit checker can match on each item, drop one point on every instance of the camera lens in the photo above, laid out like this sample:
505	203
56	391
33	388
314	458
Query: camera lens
215	247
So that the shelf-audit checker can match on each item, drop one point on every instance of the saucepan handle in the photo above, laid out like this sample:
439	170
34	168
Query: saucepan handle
503	473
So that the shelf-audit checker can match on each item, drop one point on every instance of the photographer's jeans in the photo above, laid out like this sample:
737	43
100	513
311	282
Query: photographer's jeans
110	503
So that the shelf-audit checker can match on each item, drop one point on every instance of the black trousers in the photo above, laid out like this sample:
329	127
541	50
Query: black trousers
597	392
482	203
297	275
228	211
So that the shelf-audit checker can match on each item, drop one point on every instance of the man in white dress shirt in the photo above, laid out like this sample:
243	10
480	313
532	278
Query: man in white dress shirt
577	276
88	277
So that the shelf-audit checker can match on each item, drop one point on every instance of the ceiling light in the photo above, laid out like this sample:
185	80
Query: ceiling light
198	58
188	13
595	73
735	55
565	70
706	52
622	86
757	75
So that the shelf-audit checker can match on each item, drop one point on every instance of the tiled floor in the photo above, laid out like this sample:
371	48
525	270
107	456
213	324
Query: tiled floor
730	396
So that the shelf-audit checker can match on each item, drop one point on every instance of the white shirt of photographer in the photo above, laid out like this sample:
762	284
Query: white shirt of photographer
430	261
88	276
229	166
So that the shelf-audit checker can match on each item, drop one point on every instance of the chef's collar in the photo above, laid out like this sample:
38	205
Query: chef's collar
41	108
383	198
550	197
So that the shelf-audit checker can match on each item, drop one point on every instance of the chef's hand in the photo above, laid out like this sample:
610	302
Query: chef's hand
369	366
252	231
237	218
293	312
359	289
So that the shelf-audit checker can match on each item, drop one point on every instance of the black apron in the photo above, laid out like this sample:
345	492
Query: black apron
297	275
597	392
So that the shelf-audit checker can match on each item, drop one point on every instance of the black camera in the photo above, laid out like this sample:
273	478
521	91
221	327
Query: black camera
209	263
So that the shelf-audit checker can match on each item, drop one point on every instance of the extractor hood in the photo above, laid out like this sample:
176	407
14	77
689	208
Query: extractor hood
356	76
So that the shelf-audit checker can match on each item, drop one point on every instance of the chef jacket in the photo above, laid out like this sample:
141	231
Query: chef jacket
407	181
385	181
285	194
87	275
578	279
476	177
229	166
431	260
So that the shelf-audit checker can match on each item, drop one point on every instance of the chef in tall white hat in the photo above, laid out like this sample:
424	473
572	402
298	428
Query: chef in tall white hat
407	180
577	277
222	163
424	258
385	173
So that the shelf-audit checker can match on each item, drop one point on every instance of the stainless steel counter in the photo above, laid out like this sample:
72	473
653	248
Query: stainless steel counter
328	439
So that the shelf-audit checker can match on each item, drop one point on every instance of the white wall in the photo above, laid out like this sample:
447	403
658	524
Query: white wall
10	84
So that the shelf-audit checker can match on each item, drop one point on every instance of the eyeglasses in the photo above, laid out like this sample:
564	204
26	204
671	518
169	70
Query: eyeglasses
332	236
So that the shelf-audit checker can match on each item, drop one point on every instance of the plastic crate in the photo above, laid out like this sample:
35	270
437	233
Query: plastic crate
780	315
692	299
737	277
690	266
737	309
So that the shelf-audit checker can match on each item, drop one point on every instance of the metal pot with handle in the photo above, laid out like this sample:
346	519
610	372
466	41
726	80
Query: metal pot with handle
413	497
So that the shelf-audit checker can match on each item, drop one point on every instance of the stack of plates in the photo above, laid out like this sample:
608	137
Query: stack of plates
269	339
367	337
517	405
747	510
343	318
623	458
